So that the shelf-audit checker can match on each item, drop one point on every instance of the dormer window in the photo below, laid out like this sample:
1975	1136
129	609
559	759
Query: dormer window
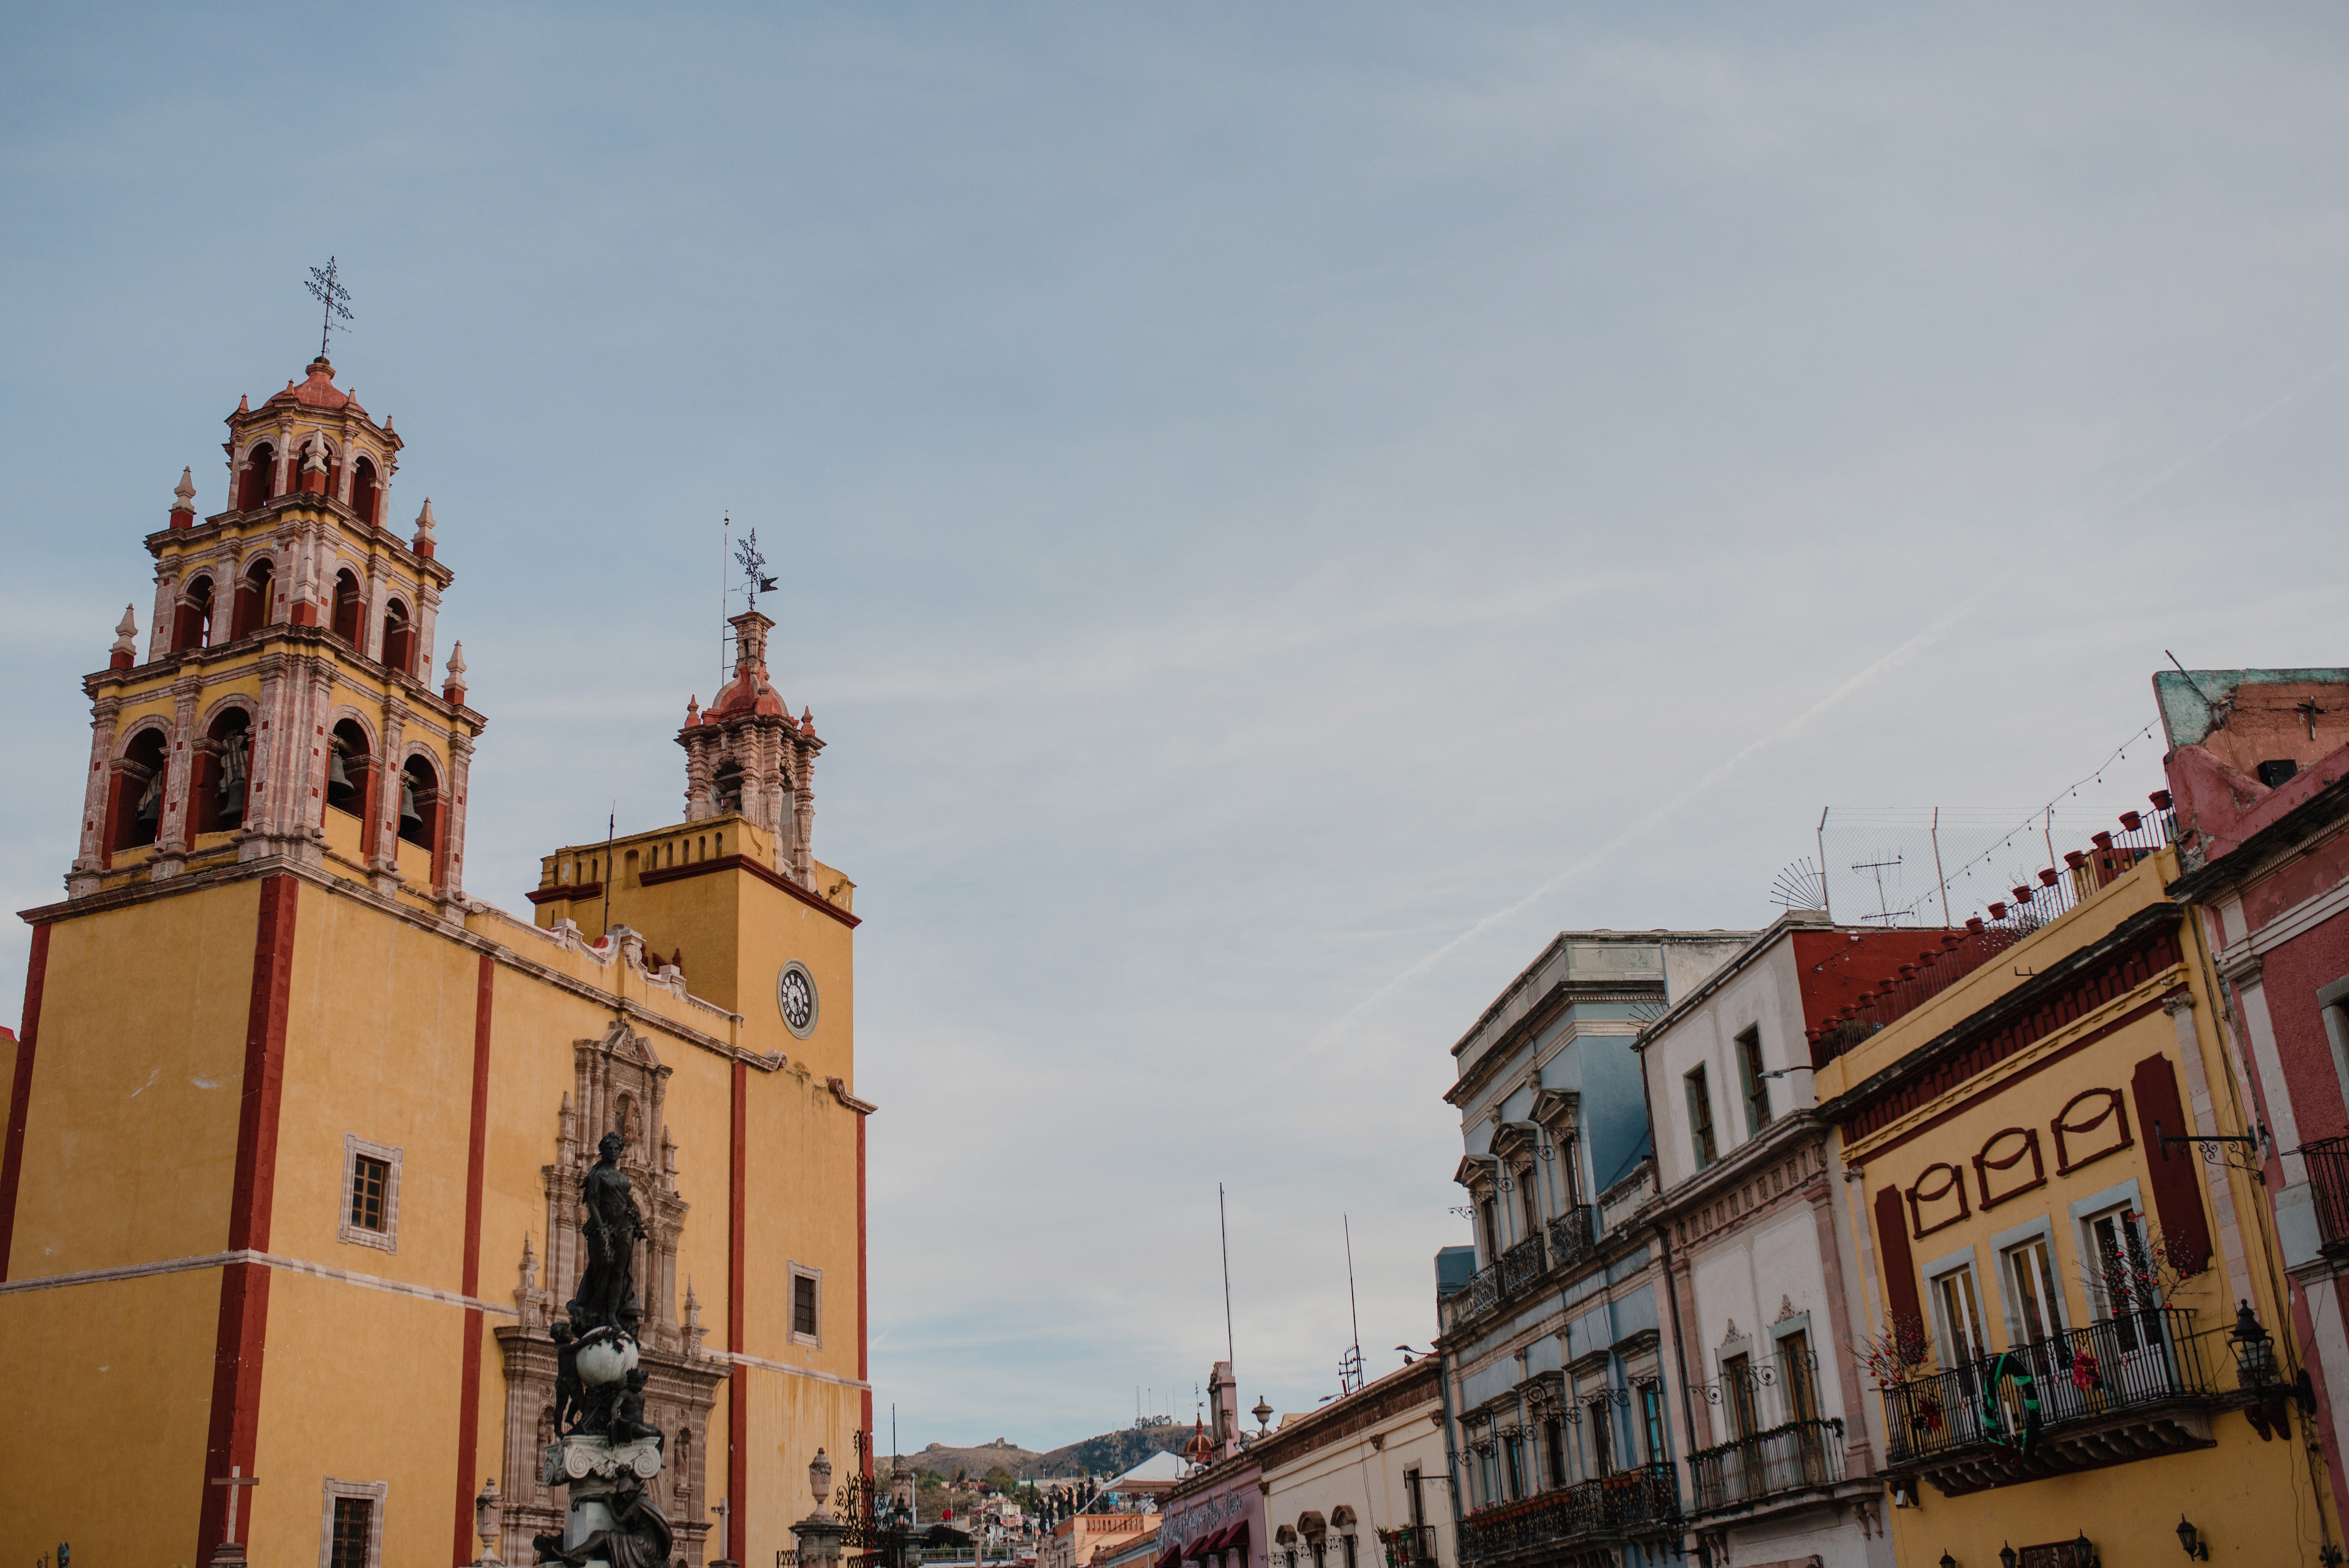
365	490
259	469
193	628
350	606
399	638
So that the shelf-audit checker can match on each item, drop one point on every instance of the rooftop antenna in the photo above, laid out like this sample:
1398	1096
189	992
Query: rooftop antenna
1231	1355
1352	1367
333	295
1827	899
611	831
725	554
1799	886
1883	909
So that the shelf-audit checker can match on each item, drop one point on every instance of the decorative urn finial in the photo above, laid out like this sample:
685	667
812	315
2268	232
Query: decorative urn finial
125	652
183	500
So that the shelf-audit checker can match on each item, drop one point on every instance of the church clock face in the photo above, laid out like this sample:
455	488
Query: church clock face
795	996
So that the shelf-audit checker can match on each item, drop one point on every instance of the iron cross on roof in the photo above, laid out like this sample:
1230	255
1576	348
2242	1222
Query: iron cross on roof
754	566
333	295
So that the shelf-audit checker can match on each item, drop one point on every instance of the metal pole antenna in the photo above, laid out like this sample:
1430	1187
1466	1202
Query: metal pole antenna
1827	899
1941	875
1231	1354
1352	1310
611	831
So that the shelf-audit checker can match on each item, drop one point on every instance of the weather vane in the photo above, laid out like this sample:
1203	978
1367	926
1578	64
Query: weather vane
754	566
333	295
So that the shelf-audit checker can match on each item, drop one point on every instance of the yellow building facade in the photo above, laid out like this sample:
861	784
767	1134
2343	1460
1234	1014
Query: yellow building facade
288	1200
2058	1276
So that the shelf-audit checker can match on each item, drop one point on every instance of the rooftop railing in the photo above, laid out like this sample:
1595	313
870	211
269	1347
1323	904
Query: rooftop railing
1799	1454
1949	956
2136	1359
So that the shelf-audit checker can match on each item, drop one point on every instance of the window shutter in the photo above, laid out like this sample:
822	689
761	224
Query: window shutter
2176	1200
1899	1269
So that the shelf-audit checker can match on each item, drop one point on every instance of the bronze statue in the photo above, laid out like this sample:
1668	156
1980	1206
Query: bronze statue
627	1424
606	1296
568	1403
640	1536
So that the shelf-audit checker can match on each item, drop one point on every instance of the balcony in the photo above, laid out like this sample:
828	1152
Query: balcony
2125	1388
2328	1181
1797	1456
1561	1243
1641	1503
1409	1545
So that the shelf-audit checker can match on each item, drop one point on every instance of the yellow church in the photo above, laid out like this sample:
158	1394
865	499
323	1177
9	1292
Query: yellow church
289	1196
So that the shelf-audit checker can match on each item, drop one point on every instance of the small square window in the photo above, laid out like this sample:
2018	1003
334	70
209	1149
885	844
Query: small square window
370	1198
350	1533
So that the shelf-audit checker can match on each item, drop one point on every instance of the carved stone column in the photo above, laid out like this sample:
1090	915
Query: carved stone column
174	834
105	724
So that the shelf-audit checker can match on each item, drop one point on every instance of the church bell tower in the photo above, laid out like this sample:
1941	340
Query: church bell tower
746	756
282	704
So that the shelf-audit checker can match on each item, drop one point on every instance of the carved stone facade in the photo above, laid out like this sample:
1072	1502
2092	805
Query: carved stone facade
621	1087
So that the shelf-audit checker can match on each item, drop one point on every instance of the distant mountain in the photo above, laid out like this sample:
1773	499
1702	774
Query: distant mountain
1105	1455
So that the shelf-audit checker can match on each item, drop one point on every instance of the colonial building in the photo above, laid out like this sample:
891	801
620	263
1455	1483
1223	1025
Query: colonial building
1555	1358
288	1202
1360	1482
1215	1516
1782	1436
2079	1332
2258	764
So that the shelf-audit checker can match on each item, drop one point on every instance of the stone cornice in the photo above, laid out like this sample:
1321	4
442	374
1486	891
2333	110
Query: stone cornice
745	864
305	642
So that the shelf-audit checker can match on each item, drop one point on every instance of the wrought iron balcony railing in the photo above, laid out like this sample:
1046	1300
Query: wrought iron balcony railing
1522	1264
1409	1545
1571	1237
1799	1454
1644	1500
2328	1179
2131	1360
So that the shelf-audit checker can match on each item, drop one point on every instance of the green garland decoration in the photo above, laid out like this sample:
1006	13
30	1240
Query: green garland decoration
1994	1411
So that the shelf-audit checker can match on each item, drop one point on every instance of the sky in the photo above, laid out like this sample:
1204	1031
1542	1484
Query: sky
1279	510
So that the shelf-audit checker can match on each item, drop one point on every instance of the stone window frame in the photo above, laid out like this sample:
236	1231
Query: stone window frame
800	1270
387	1239
373	1491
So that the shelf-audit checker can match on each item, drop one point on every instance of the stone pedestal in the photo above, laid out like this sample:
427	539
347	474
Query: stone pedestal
820	1537
227	1554
590	1470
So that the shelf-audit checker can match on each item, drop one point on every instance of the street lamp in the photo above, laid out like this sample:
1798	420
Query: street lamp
1263	1414
2006	1557
1948	1561
2254	1350
2191	1539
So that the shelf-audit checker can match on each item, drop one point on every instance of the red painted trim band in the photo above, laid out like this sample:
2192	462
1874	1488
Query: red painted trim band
864	1338
737	1395
20	1092
243	1332
469	1381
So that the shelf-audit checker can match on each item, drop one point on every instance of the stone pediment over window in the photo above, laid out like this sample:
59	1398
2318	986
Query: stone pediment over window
1516	1138
1477	1172
1558	1110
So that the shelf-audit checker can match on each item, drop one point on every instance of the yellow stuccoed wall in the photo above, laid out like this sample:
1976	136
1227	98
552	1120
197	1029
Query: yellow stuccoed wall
129	1159
2254	1500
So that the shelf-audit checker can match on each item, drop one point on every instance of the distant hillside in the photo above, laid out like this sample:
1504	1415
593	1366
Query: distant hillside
1107	1454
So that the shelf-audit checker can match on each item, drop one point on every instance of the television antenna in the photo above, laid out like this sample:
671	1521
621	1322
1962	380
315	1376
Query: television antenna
1884	911
1799	885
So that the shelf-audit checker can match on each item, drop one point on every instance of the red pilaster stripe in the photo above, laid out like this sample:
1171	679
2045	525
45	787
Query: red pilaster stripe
738	1396
20	1092
864	1338
243	1335
469	1383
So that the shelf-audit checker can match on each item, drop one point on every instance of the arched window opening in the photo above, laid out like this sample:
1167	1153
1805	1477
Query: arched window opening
363	491
727	785
139	784
259	469
223	771
351	604
251	612
192	627
399	638
419	802
348	764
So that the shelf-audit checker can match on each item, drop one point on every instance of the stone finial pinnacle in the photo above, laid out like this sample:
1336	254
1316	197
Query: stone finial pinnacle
454	687
693	708
424	543
807	721
244	404
387	424
125	631
186	491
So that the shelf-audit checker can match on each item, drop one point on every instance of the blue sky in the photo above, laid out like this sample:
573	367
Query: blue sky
1280	510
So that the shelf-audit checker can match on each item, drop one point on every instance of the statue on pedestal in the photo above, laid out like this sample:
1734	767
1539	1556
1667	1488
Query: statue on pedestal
603	1451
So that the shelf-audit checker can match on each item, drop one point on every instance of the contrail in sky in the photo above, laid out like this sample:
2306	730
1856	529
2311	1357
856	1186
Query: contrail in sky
1890	662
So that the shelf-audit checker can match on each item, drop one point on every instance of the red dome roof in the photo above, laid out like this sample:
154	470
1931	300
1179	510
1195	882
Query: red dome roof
748	692
319	391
